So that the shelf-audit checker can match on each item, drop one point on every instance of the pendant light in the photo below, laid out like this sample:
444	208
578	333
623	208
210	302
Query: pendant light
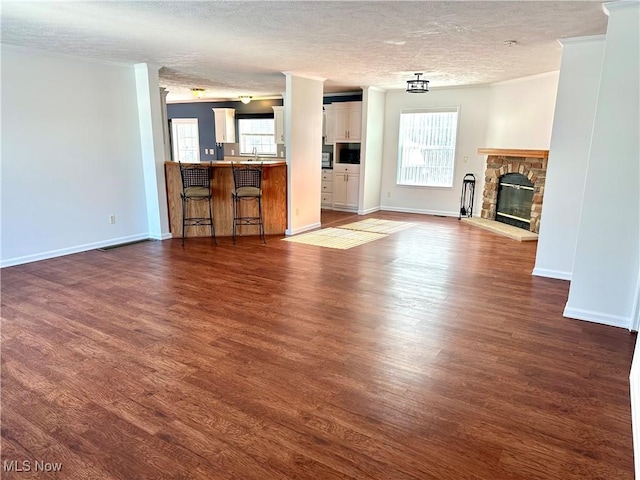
417	85
198	92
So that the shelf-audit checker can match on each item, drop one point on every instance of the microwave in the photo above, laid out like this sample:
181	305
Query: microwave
350	156
326	160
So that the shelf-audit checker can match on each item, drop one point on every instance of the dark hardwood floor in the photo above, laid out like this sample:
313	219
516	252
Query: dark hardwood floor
430	354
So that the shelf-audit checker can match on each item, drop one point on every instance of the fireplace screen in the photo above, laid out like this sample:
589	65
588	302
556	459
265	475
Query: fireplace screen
515	193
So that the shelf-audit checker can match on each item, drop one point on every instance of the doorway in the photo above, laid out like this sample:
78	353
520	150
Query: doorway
185	140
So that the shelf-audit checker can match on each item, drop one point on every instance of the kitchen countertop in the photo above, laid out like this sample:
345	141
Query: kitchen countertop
241	161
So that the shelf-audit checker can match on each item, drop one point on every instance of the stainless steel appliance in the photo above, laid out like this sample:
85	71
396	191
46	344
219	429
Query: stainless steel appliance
326	160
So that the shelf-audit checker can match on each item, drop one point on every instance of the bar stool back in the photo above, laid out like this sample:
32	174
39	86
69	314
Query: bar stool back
196	187
247	182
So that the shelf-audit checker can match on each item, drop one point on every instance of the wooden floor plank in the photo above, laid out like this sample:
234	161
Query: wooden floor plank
432	353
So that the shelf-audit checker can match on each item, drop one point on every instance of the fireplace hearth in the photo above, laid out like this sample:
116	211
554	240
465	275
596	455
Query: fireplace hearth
514	186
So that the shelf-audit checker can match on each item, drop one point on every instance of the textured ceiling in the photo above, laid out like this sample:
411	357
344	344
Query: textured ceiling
241	48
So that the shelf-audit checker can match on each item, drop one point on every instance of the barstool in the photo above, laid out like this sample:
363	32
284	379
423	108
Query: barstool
196	187
247	182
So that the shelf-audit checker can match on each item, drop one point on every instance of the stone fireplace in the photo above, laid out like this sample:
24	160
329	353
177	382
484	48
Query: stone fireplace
532	165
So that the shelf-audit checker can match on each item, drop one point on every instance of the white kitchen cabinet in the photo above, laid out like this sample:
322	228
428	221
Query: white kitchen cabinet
355	122
347	121
329	125
327	188
278	117
225	125
346	186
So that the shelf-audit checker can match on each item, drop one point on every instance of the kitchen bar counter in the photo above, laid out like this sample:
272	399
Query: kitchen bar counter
274	199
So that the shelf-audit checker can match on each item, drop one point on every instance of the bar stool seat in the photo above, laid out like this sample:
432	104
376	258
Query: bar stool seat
197	192
247	192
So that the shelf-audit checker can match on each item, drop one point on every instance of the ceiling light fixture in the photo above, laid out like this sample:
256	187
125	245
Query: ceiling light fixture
510	43
198	92
417	85
245	99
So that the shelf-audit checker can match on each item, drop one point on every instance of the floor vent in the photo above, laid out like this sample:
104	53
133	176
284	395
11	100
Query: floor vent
126	244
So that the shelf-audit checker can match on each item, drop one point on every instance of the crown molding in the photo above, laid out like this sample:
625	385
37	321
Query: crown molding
303	75
607	8
580	40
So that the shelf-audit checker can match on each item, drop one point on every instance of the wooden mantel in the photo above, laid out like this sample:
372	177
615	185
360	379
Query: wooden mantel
502	152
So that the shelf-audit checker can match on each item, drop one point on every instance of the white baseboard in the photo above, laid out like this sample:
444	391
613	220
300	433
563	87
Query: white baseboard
162	236
597	317
10	262
420	211
369	210
306	228
634	384
345	209
545	272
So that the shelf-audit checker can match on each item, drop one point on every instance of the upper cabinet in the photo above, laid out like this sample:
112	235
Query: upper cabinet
329	125
278	116
225	125
344	122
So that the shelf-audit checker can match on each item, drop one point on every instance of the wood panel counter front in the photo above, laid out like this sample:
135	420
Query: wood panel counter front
274	200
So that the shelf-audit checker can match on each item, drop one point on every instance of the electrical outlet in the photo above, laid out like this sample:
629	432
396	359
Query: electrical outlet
465	159
297	212
112	219
233	152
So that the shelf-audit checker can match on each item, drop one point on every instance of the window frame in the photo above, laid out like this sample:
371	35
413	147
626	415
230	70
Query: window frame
449	109
273	135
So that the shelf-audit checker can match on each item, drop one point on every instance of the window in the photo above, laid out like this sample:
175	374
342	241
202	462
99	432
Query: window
426	147
185	140
258	133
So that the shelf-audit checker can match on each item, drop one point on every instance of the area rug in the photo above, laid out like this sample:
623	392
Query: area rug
339	238
376	225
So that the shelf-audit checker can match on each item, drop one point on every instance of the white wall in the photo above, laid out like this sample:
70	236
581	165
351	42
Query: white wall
568	155
70	156
372	143
303	138
606	264
152	134
521	112
473	103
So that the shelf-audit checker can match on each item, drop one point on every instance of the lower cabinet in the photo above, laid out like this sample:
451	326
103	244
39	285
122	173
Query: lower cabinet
327	189
346	186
